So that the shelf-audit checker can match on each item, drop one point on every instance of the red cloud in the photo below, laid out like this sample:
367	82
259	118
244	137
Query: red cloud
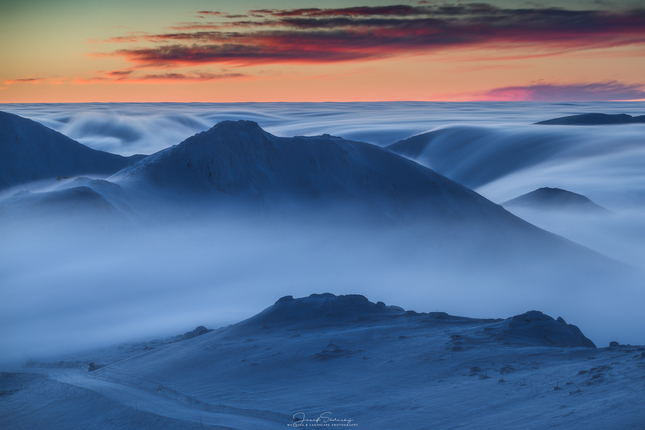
314	35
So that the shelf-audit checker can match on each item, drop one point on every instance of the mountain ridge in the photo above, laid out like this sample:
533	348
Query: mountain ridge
240	160
595	119
29	152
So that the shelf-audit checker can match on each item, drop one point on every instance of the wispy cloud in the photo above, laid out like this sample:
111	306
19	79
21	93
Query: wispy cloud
188	26
195	77
119	74
394	10
130	76
314	35
24	81
204	13
598	91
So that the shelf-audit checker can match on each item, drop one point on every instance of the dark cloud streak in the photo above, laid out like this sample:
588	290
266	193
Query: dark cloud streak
395	10
188	77
130	76
24	81
240	54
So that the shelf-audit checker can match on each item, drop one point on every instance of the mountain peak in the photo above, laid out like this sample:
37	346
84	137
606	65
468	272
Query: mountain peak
321	310
29	152
230	130
555	198
536	328
595	119
236	125
239	158
240	135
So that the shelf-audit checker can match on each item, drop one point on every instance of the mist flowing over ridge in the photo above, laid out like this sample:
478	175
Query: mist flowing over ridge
31	152
503	162
144	128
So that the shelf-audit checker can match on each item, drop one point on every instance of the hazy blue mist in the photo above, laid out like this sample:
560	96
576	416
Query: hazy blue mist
83	281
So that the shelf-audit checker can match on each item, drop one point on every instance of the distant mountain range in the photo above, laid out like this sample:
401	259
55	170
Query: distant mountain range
595	119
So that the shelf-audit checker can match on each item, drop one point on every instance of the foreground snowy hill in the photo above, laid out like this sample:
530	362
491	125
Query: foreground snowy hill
345	360
31	152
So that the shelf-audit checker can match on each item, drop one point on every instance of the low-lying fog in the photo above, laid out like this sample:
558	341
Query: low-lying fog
65	287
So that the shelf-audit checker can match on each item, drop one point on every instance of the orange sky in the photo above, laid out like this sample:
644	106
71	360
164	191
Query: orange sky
73	51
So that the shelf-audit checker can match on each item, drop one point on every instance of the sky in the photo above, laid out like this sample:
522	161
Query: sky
56	51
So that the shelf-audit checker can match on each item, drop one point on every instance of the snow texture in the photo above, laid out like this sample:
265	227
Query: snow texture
330	358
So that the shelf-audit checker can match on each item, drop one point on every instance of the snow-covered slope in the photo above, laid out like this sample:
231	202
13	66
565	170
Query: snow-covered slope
557	199
328	310
595	119
346	359
239	163
31	152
